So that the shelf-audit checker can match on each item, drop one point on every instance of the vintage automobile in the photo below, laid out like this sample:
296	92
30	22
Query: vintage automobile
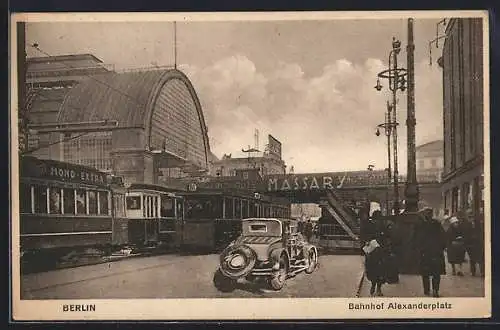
267	251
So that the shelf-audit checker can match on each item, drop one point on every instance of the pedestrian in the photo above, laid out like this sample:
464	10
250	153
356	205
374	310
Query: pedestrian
392	245
308	230
430	242
474	243
455	246
375	262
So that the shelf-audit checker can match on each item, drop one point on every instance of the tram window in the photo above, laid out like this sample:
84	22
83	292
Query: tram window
167	209
55	201
92	202
103	203
69	201
244	208
251	209
237	208
40	199
25	198
203	208
155	206
133	203
229	208
81	202
180	208
267	212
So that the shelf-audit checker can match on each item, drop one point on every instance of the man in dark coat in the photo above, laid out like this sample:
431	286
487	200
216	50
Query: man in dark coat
474	242
430	243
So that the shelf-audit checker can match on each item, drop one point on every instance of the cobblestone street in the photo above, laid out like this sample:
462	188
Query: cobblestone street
178	276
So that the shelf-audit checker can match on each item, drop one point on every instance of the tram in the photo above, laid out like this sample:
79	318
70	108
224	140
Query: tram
65	206
212	217
153	217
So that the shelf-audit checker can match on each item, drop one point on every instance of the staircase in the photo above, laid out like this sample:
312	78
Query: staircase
345	237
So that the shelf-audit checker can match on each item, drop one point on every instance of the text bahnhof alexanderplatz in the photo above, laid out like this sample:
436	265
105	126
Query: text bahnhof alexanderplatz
431	306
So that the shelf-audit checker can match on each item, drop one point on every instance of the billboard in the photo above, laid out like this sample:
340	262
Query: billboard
325	181
274	147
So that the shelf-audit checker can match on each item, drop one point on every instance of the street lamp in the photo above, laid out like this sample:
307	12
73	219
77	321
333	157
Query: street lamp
387	126
397	81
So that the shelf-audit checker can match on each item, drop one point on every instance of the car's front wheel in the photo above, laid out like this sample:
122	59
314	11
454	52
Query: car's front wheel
223	283
278	279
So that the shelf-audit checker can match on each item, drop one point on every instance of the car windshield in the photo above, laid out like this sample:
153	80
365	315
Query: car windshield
261	228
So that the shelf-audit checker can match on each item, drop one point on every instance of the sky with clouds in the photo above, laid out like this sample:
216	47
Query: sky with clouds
308	83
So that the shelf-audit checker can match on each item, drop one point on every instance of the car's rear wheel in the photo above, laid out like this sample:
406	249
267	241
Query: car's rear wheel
278	279
223	283
312	261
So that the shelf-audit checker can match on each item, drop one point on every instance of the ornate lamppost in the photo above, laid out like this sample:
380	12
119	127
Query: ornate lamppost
397	81
387	126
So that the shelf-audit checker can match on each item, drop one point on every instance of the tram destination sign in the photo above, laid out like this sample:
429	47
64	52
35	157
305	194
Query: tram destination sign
55	170
325	181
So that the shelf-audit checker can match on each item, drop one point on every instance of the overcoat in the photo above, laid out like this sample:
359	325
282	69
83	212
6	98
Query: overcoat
430	242
456	244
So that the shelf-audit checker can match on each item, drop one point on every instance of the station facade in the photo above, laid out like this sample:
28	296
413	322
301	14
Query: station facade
462	64
140	125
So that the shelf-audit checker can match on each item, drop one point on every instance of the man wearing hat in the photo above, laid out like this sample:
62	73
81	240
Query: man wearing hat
430	243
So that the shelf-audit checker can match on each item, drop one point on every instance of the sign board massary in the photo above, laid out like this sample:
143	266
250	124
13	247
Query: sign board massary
322	181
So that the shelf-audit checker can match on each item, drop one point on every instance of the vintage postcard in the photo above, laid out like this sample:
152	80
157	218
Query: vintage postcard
192	166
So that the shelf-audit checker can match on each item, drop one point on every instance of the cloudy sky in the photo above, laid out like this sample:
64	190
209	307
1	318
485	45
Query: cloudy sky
308	83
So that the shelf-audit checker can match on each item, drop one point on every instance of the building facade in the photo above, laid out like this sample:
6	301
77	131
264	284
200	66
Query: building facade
462	64
430	161
140	125
268	162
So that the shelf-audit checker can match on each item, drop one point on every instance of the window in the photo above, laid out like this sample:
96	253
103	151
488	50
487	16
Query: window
25	198
167	209
145	206
92	202
40	199
133	203
245	175
180	208
91	150
237	208
69	201
229	208
421	164
258	228
258	210
55	201
202	207
252	210
244	208
103	203
81	202
434	162
467	196
267	211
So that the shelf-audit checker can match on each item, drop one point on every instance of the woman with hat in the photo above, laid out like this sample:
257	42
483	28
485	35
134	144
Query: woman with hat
455	246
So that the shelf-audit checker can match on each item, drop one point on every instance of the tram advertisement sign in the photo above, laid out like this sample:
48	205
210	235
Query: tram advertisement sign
50	169
324	181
